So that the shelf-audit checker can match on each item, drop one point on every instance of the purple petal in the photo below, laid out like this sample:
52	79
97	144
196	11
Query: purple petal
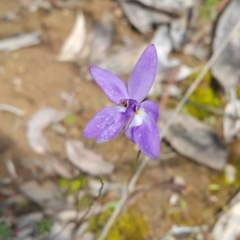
143	74
112	86
146	136
129	133
106	124
151	108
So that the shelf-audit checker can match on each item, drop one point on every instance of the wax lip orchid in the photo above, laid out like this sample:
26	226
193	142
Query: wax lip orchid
139	117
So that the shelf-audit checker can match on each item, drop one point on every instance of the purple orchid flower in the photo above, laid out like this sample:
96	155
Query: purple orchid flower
139	117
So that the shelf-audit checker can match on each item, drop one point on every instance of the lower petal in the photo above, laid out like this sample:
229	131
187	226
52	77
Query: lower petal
129	133
151	108
146	136
106	124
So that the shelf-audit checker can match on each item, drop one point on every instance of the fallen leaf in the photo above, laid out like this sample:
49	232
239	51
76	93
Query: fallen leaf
226	68
143	18
178	31
20	41
176	230
101	39
46	194
87	236
69	215
231	120
29	219
75	41
196	140
11	169
36	125
115	63
166	66
63	227
86	160
227	226
62	231
63	169
11	109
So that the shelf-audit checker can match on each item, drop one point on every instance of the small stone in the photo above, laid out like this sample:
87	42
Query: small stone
178	180
173	199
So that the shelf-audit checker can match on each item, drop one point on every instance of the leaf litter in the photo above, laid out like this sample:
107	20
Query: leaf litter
87	160
227	226
226	68
46	194
36	125
75	41
196	140
20	41
166	21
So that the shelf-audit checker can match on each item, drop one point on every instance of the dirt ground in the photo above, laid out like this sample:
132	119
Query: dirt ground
31	78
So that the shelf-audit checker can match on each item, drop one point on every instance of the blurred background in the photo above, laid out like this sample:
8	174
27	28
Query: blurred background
54	184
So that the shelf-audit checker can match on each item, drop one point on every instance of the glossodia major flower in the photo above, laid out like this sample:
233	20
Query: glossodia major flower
139	117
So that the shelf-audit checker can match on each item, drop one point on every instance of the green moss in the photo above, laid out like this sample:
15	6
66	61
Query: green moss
70	119
203	96
21	204
238	92
213	187
178	217
5	231
129	225
72	185
208	9
85	202
43	226
236	164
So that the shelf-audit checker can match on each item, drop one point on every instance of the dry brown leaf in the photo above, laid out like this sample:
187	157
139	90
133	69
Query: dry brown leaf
75	41
227	226
196	140
36	125
143	18
46	194
226	68
86	160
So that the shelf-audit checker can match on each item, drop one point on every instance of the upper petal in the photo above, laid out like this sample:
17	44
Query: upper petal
112	86
146	136
151	108
106	124
143	74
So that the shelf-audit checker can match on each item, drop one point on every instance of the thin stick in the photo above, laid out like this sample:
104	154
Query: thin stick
94	201
130	186
11	109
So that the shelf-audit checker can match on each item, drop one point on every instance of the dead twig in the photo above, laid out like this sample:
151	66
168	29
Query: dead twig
11	109
94	201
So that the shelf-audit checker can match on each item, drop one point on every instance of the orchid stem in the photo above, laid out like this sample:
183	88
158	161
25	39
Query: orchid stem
127	191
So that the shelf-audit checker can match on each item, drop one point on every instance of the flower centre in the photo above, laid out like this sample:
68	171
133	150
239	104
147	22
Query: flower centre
130	104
